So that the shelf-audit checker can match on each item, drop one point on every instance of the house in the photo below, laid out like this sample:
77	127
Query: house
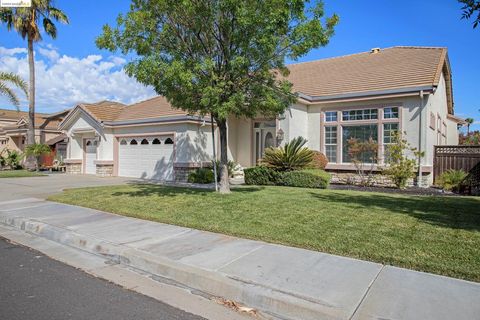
366	95
13	132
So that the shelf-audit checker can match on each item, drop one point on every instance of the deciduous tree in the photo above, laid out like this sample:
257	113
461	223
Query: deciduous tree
219	58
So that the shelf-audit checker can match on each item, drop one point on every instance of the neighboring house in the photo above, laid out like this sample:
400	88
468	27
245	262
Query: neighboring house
370	94
13	132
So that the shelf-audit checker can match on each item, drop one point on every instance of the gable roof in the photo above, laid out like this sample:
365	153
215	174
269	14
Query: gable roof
8	114
395	69
19	119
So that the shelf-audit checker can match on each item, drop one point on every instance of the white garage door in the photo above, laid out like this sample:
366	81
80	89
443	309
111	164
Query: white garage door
90	156
146	157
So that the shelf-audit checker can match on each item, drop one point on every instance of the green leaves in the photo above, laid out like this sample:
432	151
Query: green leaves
218	57
7	77
292	156
26	21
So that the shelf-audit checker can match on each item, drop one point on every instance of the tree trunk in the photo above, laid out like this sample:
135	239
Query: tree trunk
30	161
224	178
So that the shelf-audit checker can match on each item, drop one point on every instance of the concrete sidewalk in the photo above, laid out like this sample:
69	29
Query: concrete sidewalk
283	282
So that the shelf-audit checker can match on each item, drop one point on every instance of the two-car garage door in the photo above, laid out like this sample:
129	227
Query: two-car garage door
146	157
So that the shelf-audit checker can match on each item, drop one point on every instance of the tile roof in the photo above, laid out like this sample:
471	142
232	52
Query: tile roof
391	68
104	110
9	114
388	69
152	108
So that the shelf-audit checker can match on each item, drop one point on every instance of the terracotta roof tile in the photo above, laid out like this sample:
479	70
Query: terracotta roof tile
152	108
104	110
391	68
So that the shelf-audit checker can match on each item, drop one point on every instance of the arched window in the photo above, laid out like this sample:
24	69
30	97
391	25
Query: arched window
89	143
134	142
168	141
144	141
123	142
156	141
95	143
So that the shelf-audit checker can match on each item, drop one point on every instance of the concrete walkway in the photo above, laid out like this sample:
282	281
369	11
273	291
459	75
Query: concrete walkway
283	282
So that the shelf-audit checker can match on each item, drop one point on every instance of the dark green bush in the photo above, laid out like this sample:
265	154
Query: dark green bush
262	176
201	175
310	178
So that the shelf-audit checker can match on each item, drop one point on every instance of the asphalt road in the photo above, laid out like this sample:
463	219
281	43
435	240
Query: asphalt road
35	287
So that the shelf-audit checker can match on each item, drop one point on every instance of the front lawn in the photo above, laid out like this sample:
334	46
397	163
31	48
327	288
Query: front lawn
19	174
433	234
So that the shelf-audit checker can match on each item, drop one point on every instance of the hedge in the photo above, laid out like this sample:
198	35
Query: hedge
308	178
201	175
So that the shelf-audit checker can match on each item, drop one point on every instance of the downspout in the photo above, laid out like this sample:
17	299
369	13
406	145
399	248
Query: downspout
420	128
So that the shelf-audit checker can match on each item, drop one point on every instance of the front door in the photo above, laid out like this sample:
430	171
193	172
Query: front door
90	156
265	133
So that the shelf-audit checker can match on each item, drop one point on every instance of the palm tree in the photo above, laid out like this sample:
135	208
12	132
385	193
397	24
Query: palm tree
26	21
469	122
37	150
5	90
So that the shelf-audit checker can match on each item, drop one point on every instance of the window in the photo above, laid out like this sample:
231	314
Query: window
331	143
123	142
390	113
133	142
389	130
364	114
331	116
156	141
144	141
89	143
168	141
362	133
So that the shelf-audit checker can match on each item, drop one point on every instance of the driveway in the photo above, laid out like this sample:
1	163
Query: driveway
42	187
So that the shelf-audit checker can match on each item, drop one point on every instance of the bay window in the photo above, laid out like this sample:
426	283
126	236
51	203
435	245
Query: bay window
379	124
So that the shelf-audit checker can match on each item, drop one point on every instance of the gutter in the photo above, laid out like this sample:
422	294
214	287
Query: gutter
156	120
415	90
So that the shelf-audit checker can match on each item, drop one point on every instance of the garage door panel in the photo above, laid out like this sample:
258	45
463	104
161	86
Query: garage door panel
148	161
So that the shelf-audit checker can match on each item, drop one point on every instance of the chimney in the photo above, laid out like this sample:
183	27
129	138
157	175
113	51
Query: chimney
375	50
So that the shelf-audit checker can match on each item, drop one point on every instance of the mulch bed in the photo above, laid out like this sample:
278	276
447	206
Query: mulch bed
414	191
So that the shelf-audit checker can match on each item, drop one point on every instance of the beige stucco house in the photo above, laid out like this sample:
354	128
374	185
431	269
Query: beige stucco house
370	94
13	131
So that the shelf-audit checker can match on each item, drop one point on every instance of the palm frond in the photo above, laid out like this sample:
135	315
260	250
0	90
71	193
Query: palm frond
50	28
6	91
294	155
58	15
15	80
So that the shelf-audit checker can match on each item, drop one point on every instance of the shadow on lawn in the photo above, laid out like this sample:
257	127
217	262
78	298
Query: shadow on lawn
449	212
145	190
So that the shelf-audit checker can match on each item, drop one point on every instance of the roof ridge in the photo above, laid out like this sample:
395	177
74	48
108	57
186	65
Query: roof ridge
145	100
364	52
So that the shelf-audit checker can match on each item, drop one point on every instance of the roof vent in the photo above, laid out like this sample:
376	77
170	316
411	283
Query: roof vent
375	50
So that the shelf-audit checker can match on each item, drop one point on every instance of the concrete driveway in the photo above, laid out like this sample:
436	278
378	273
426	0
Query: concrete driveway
42	187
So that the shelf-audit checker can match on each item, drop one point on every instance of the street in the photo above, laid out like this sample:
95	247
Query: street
36	287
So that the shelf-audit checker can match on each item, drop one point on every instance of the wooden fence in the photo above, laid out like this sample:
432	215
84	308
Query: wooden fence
466	158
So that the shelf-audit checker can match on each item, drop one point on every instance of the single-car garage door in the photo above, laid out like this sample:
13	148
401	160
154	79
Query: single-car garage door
146	157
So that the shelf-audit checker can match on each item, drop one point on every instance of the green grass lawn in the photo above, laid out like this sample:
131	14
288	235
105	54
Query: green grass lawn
433	234
19	174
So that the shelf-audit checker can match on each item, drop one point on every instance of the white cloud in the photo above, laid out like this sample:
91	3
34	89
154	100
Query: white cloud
63	81
51	54
12	51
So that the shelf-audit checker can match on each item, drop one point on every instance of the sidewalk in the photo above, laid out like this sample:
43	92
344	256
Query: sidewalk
284	282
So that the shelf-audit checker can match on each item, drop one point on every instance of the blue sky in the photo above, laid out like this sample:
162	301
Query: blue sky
363	25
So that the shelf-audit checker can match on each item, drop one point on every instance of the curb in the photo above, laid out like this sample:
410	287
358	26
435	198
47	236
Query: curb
276	303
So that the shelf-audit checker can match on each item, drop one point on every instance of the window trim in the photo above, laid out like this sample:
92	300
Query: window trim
380	121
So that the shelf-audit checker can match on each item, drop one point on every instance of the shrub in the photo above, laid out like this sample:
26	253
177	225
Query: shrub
37	150
292	156
309	178
12	159
201	175
261	175
452	180
230	166
400	168
364	155
319	160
